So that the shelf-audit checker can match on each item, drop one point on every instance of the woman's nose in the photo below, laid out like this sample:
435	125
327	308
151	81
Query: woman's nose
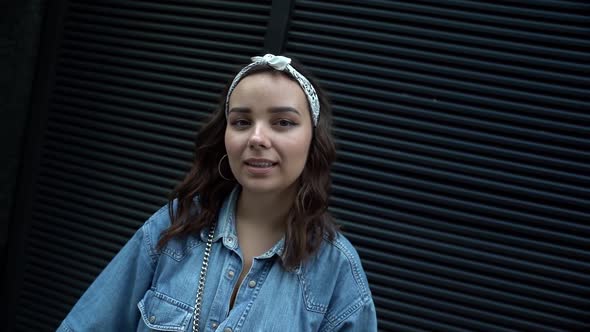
259	138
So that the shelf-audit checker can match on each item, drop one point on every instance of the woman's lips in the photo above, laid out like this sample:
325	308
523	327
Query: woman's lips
259	166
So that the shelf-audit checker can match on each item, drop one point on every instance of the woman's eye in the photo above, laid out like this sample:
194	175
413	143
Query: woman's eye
285	123
240	123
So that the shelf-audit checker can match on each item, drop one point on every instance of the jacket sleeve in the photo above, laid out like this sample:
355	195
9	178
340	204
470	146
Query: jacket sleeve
364	319
110	303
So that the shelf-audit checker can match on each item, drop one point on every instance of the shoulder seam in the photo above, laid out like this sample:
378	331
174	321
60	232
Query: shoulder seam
67	327
149	242
350	310
335	319
353	265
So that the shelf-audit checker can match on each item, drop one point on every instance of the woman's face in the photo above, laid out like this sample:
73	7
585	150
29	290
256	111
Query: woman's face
268	132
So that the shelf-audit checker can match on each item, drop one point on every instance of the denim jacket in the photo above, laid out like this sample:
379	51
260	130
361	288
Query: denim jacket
144	289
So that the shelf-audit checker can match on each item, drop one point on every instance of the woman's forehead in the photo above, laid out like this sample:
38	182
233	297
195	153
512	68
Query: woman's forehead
267	79
271	89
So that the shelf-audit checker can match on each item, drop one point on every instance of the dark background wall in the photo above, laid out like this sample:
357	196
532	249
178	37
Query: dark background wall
463	133
20	28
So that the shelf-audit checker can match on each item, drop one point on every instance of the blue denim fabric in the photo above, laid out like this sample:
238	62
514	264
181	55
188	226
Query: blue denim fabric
143	289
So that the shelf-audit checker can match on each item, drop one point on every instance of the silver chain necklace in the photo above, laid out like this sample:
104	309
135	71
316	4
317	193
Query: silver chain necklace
202	279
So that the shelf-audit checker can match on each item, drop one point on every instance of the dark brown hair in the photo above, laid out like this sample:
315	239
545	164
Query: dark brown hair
309	219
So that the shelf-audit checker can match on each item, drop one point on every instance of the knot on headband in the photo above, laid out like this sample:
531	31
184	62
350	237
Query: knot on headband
278	62
281	63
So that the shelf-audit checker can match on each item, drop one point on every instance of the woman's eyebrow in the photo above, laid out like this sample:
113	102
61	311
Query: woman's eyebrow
240	110
283	110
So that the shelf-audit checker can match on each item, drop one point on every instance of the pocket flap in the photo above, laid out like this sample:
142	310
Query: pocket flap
163	313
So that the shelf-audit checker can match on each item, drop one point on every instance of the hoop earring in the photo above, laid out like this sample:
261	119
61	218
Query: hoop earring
219	168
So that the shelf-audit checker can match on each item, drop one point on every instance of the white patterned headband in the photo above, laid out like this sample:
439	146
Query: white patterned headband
283	64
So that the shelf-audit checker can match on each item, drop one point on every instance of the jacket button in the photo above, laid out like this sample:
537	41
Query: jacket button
252	284
231	273
152	319
214	325
227	329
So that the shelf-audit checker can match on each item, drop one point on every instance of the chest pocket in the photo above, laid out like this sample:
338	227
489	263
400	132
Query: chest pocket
163	313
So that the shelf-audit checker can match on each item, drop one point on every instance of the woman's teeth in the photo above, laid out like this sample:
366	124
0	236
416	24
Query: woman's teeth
261	165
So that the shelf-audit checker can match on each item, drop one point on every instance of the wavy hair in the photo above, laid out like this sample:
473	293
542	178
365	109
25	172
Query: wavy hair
308	220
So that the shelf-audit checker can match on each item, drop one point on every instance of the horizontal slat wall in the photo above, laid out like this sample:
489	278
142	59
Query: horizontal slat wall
133	80
463	165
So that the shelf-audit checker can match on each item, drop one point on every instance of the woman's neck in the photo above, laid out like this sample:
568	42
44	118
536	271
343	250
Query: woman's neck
266	211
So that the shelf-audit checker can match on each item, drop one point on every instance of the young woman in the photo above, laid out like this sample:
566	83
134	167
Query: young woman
246	242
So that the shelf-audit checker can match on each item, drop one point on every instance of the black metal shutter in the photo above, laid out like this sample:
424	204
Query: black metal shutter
132	81
463	165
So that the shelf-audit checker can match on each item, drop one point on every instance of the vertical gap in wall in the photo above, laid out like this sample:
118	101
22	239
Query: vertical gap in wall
278	26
